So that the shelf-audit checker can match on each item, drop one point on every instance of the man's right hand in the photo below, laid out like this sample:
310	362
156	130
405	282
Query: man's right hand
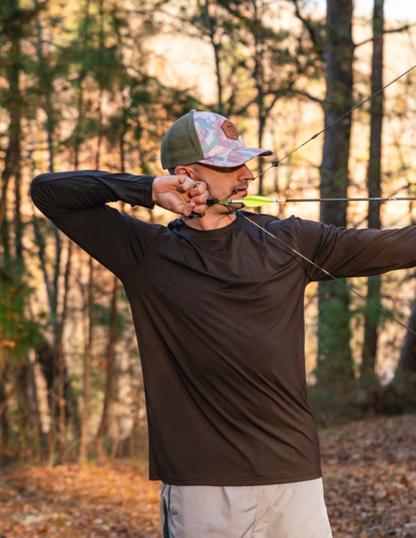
180	194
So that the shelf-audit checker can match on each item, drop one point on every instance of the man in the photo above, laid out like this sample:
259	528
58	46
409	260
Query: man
218	310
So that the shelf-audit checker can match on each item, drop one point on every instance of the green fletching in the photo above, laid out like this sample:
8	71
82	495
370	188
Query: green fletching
257	201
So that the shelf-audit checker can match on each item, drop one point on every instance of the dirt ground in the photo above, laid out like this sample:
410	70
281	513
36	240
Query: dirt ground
369	473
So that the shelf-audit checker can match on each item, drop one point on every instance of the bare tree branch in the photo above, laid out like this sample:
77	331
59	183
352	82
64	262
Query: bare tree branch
310	27
307	95
392	31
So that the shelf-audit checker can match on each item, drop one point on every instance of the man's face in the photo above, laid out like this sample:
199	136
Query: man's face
222	182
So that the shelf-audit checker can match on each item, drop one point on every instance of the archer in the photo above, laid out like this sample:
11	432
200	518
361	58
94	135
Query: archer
218	310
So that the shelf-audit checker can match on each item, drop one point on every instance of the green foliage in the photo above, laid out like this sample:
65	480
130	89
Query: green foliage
102	319
84	82
334	354
18	331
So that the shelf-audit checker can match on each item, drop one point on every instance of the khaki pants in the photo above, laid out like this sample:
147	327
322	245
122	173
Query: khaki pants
294	510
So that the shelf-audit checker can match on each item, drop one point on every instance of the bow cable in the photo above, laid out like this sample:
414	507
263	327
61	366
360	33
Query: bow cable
326	272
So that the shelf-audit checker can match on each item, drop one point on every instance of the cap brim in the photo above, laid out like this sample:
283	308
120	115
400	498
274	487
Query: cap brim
236	157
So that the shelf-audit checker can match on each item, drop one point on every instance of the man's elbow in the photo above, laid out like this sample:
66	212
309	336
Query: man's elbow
36	190
38	180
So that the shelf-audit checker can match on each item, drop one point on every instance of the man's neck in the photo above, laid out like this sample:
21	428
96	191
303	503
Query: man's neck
210	221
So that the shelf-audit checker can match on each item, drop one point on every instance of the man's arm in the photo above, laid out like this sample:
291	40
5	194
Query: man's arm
354	252
76	203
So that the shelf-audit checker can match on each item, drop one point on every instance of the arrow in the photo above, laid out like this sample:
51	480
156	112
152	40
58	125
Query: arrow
257	201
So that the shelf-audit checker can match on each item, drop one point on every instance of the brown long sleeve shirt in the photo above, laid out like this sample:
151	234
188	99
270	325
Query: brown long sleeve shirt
219	317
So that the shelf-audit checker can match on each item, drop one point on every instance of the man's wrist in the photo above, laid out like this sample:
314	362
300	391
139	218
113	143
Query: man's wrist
143	190
153	190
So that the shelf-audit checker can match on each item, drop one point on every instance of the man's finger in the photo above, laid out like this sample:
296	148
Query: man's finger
200	209
199	188
186	183
201	199
187	209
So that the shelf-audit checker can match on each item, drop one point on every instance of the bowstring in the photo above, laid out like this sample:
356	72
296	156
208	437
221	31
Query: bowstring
276	163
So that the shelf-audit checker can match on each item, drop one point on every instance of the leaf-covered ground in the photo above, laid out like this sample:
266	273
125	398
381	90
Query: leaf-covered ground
370	483
370	477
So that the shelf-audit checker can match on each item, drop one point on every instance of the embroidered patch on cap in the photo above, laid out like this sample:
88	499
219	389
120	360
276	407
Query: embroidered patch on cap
230	130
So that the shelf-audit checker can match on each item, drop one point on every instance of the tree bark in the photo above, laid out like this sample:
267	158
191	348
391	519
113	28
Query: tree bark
4	419
339	59
405	374
110	357
33	406
372	316
18	224
87	368
216	48
12	160
61	357
334	354
102	67
80	105
259	79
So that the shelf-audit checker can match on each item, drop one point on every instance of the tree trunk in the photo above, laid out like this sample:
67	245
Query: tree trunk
4	422
209	24
259	79
87	368
12	160
33	406
338	101
102	67
80	105
334	354
110	356
372	316
405	375
18	225
57	400
61	357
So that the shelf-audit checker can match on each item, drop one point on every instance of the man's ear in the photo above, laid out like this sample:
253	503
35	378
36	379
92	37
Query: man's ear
185	171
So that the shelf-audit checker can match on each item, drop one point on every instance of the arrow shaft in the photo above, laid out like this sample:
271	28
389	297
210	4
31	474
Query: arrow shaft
287	200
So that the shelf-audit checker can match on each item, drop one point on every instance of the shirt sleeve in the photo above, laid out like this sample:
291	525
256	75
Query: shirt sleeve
353	252
76	203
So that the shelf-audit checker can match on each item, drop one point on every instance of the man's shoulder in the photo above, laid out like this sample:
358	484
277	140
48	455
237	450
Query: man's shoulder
266	220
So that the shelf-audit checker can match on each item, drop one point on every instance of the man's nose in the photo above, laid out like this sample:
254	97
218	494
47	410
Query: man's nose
246	173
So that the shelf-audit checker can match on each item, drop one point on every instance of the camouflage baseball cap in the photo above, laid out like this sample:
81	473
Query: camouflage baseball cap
207	138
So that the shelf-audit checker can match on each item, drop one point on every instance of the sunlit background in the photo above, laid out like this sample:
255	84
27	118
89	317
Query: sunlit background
94	85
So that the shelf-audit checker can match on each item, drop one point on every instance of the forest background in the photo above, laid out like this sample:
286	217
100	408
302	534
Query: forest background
94	84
